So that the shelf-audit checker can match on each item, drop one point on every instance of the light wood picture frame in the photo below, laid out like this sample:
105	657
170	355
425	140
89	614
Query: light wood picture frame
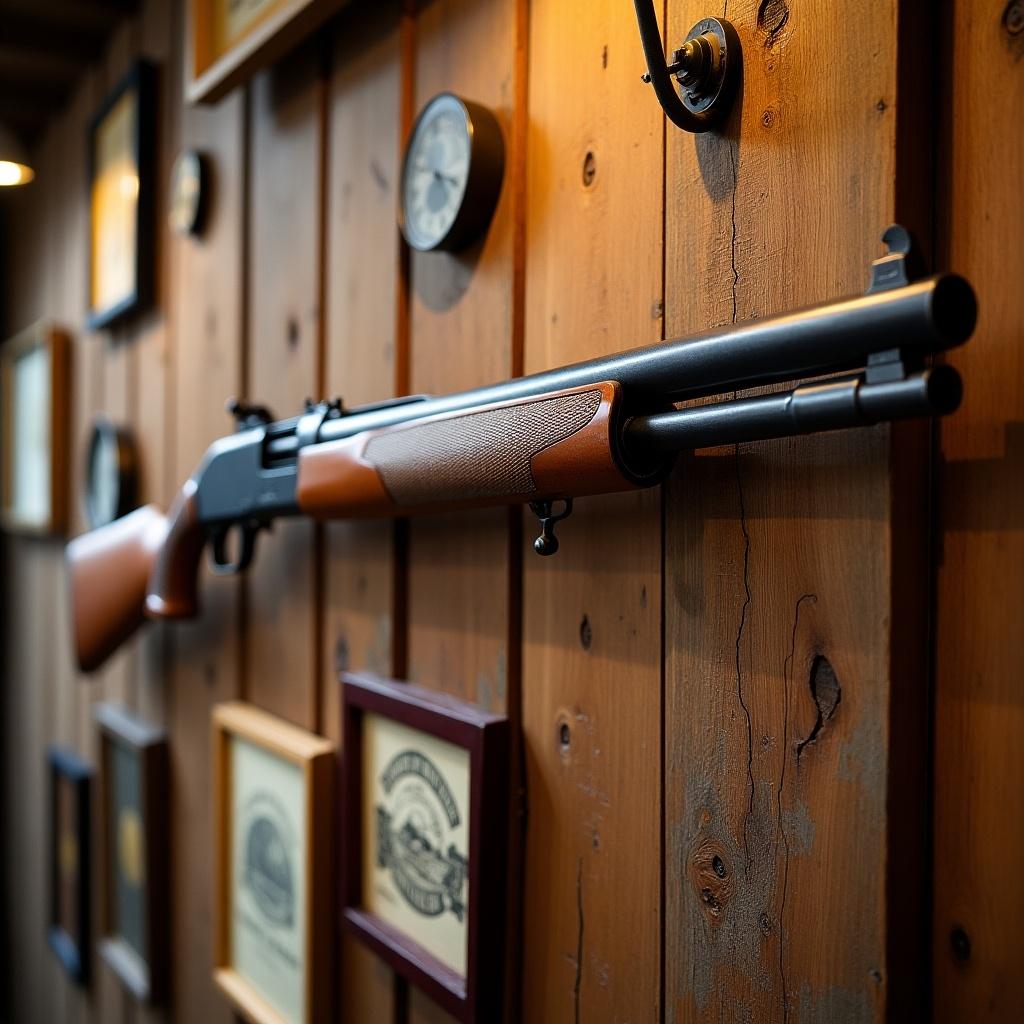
134	824
273	837
35	390
122	140
226	43
425	812
70	923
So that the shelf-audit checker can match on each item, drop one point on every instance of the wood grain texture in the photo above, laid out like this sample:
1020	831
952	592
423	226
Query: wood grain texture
363	335
284	327
592	615
462	326
465	331
781	608
207	297
979	708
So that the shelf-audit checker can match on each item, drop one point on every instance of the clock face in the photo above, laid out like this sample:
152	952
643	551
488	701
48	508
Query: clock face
110	482
452	174
187	187
104	487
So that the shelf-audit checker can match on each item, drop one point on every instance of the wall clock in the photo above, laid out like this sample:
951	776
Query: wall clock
111	474
451	175
189	187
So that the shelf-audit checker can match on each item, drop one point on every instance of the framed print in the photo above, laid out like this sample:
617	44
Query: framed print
134	818
34	418
230	40
121	138
274	898
69	862
424	826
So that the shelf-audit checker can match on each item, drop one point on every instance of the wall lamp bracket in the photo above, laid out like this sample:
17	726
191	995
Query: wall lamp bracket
706	68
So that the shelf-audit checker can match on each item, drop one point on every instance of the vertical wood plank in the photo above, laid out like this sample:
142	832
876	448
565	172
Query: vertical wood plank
465	331
979	716
284	321
462	326
784	562
592	614
363	334
207	297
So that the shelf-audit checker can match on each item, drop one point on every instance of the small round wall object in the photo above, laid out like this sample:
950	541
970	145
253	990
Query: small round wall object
451	174
697	87
189	188
111	473
707	66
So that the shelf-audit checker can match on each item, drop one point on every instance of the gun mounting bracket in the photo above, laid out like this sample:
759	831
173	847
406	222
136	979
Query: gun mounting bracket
706	67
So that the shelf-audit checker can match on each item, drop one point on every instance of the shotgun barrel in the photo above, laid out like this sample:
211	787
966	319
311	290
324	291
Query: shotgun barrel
594	427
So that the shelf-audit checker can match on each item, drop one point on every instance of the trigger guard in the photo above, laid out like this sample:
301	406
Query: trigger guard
219	561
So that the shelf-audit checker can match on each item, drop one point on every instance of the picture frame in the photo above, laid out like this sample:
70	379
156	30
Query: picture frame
273	834
68	931
121	143
228	41
426	775
135	829
35	382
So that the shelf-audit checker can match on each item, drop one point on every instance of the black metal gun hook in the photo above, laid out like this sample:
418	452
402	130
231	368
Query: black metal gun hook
707	67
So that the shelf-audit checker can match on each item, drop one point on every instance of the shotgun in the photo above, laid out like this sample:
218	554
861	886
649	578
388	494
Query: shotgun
595	427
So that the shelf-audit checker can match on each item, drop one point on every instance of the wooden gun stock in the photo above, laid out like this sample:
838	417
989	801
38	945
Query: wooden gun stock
553	446
109	572
145	563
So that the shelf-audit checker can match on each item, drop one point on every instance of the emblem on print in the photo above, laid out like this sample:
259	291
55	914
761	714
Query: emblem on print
425	812
134	824
69	925
273	829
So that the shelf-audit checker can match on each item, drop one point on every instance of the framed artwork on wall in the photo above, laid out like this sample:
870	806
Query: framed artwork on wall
273	830
35	385
134	824
227	41
121	144
424	837
68	932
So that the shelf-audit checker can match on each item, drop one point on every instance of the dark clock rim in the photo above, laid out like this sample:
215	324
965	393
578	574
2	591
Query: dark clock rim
105	431
483	178
194	225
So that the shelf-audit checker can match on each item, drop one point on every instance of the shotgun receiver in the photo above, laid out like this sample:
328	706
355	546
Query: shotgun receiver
591	428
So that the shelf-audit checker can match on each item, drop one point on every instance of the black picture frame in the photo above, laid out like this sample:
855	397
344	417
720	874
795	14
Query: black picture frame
146	975
477	996
142	80
70	945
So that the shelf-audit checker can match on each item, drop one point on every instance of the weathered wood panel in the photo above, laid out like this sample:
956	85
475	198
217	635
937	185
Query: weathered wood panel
208	317
783	561
979	704
791	588
592	614
284	331
364	335
465	331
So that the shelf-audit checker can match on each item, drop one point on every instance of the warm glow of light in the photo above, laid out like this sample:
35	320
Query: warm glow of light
130	186
14	174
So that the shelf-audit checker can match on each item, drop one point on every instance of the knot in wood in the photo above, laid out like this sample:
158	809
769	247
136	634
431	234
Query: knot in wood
772	16
712	878
1013	17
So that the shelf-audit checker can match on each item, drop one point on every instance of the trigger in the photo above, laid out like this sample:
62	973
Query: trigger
221	562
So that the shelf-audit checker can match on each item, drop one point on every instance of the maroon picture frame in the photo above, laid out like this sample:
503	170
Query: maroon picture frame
478	996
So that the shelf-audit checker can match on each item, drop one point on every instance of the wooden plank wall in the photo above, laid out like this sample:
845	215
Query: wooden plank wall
721	788
979	703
